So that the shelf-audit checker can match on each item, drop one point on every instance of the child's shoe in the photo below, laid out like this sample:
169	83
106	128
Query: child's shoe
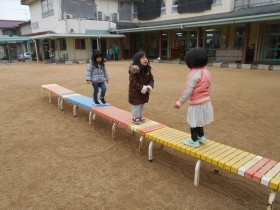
96	102
142	119
190	142
103	100
136	120
202	139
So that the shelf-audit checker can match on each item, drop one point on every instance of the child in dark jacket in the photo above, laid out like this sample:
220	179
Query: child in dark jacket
97	76
141	83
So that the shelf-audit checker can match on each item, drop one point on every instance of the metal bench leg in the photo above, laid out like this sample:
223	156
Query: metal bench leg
58	101
75	110
50	99
271	199
91	117
114	131
196	173
61	104
140	144
151	151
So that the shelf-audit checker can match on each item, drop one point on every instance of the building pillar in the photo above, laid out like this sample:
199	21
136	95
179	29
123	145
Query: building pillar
132	50
246	42
9	53
259	43
68	49
160	45
99	44
199	37
122	48
36	50
29	50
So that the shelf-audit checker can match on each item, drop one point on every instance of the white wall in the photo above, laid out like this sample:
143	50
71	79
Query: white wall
107	7
49	23
25	29
80	26
56	24
1	33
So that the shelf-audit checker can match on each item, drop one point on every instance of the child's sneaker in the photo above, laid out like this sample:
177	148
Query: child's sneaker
142	119
96	102
202	139
136	120
103	100
190	142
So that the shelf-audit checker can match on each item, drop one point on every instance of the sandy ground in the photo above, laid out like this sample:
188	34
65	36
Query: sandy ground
51	160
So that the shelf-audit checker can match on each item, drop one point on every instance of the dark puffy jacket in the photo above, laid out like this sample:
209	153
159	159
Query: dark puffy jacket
137	79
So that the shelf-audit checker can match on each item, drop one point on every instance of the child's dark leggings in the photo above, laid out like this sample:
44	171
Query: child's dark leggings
196	132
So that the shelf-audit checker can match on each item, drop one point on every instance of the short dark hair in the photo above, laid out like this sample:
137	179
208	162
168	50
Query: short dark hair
196	58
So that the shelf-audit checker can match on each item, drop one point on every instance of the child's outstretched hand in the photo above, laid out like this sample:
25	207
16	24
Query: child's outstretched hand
178	105
88	82
107	81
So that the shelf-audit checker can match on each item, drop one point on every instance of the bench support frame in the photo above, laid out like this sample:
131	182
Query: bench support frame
150	151
114	131
271	199
197	173
91	117
140	144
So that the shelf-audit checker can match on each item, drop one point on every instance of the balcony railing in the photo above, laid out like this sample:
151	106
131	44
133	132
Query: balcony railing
243	4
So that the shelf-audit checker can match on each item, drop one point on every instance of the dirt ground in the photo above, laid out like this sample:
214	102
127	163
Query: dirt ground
51	160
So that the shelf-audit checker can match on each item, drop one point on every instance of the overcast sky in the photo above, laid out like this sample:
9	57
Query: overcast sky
13	10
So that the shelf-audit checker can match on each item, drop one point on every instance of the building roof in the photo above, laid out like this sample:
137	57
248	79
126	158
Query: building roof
10	23
253	14
56	36
13	39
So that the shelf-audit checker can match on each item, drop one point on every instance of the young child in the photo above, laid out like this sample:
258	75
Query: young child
197	92
141	83
52	55
97	76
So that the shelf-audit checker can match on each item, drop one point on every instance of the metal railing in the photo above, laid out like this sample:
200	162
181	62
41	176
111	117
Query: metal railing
244	4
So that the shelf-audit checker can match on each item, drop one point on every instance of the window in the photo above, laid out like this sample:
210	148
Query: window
135	10
47	8
35	25
217	1
163	8
80	44
174	5
62	44
239	37
211	41
94	44
185	40
53	45
272	43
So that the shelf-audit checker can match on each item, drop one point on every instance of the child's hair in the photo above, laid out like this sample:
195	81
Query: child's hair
96	54
196	58
137	57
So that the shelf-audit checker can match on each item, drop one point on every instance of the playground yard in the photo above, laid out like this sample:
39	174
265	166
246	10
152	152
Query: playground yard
51	160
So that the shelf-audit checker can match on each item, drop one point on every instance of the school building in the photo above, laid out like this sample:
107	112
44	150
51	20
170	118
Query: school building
230	30
240	31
